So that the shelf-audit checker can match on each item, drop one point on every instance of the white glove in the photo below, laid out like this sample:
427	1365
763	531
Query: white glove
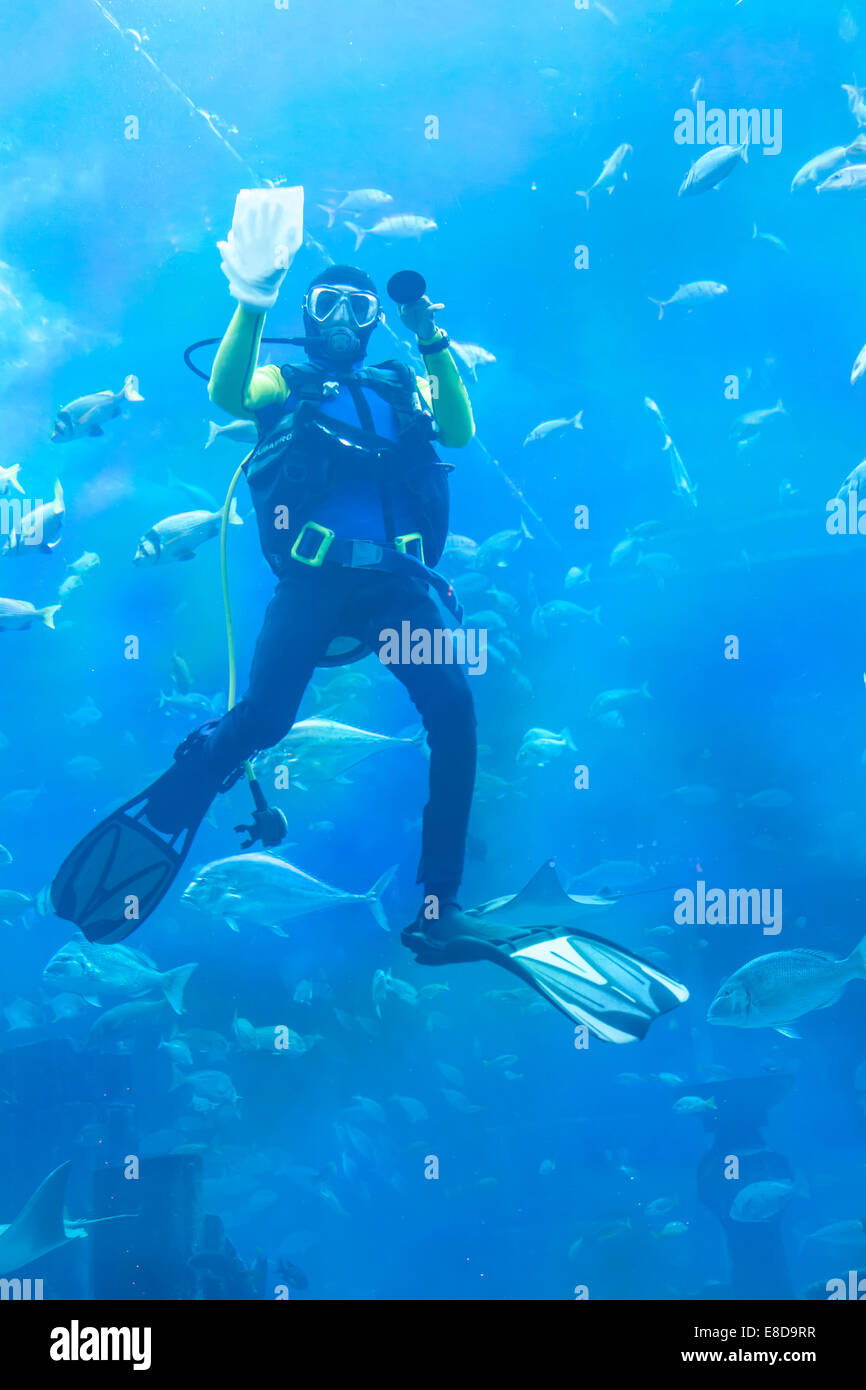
267	230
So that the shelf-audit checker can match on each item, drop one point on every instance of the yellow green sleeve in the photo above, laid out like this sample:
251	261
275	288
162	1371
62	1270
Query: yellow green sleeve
445	392
236	384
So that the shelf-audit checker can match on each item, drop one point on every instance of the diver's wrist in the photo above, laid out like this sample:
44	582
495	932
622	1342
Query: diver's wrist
435	344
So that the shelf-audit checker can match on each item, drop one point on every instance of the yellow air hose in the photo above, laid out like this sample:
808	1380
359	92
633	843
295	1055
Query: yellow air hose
227	602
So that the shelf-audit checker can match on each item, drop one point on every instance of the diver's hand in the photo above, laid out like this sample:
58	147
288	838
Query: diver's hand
420	317
266	231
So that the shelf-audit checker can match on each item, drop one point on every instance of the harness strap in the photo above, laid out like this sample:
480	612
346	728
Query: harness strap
356	554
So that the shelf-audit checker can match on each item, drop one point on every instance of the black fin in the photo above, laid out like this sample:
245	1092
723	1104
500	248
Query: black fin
120	860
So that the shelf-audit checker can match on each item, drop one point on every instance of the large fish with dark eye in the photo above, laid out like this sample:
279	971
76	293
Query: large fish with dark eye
713	168
817	169
774	990
851	179
264	889
112	972
323	748
85	416
178	537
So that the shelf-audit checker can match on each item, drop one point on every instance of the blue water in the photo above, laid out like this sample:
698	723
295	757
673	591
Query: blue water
110	268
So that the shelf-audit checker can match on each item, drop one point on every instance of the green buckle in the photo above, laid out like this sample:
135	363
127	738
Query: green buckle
314	561
402	543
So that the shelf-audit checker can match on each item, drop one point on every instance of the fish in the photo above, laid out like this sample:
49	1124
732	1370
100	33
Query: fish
853	482
771	240
321	748
86	715
672	1230
542	746
265	889
616	699
750	425
856	104
178	537
216	1088
697	292
13	905
190	702
83	767
400	227
85	416
817	169
576	576
497	550
130	1019
771	799
553	427
660	1206
70	585
39	529
713	168
357	200
612	170
9	478
113	972
694	1105
458	1101
851	179
859	366
384	984
16	615
472	356
42	1225
773	991
413	1109
239	432
846	1234
761	1201
85	563
559	616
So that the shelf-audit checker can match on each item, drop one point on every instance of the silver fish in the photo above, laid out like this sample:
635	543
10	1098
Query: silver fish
774	990
817	169
551	427
357	200
17	614
402	226
87	414
696	292
611	171
713	168
112	972
851	179
472	356
178	537
264	889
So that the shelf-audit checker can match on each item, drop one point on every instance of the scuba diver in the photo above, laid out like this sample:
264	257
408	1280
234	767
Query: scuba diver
351	501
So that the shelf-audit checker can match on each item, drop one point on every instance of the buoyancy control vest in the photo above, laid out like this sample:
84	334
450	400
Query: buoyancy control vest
303	455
